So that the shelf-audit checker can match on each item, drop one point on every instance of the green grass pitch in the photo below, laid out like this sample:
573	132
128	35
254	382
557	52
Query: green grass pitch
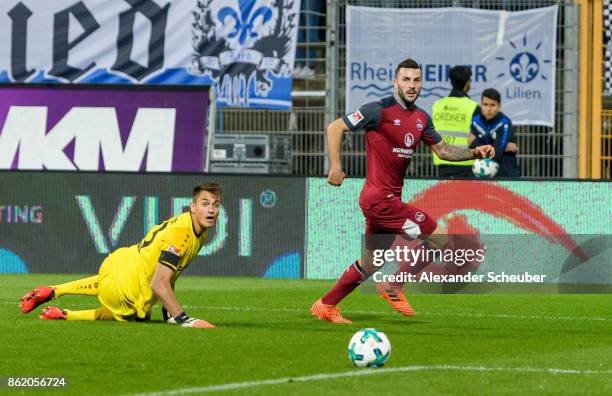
456	344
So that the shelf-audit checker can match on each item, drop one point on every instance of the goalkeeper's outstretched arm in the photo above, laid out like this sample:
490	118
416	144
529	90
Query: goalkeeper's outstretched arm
161	284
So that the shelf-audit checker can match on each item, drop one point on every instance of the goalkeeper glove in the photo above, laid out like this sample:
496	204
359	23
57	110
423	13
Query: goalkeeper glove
184	320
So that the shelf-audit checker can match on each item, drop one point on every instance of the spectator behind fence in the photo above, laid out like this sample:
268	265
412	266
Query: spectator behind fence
308	34
493	127
452	117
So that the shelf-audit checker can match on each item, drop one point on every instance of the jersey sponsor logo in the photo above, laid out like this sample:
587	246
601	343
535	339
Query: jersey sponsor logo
419	124
399	150
419	216
402	152
174	250
355	117
408	139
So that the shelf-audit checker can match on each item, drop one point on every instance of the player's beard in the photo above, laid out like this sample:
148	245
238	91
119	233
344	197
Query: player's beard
408	103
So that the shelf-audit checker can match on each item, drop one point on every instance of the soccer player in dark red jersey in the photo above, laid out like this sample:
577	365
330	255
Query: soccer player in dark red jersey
394	126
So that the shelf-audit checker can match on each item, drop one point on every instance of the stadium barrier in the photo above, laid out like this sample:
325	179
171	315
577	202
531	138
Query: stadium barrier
274	227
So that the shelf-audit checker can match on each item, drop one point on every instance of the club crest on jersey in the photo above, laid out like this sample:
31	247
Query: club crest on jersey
419	124
408	139
355	117
174	250
396	122
419	216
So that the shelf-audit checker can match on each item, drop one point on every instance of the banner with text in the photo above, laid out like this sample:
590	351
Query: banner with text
61	127
513	52
69	222
543	228
245	48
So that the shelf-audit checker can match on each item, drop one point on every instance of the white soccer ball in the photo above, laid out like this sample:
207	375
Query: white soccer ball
369	348
485	168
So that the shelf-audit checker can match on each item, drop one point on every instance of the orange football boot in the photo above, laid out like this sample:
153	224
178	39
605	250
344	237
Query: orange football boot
395	296
53	312
38	296
331	313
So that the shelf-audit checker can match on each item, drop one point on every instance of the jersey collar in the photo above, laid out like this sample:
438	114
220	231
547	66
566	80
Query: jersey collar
193	227
194	231
401	102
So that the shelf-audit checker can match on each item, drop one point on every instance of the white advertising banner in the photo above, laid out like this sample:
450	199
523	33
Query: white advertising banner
513	52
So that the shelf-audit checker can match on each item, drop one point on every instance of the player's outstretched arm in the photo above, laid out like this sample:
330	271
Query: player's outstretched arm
449	152
335	133
161	284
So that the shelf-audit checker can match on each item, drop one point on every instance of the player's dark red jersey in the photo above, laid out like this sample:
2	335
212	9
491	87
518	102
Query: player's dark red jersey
393	132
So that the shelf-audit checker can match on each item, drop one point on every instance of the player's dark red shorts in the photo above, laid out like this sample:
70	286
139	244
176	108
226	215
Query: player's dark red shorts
393	216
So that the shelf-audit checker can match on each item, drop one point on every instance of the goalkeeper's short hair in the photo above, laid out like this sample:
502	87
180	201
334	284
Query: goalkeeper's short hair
212	187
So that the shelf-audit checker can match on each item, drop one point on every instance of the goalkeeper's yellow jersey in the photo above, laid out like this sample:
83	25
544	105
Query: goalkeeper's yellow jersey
128	271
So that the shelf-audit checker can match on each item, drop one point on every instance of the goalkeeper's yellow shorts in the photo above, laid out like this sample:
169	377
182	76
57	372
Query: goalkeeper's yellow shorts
119	288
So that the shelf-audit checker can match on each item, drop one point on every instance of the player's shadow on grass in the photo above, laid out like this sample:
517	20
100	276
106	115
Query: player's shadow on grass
387	319
305	320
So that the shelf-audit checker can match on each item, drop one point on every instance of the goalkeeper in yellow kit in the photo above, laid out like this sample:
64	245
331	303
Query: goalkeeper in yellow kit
132	279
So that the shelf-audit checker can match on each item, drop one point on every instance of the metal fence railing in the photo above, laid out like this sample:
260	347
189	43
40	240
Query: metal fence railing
304	124
310	52
606	144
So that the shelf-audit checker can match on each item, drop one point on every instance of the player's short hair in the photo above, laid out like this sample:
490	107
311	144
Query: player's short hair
407	64
492	94
459	75
212	187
